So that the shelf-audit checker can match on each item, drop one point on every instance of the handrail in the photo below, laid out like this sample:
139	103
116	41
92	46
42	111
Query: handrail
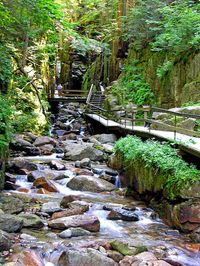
130	117
89	94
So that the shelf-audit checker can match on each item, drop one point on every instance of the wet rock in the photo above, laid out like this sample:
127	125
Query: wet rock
146	256
68	212
46	149
10	204
43	182
30	258
86	162
195	236
40	141
74	232
43	191
120	214
58	258
20	144
80	151
70	136
9	177
62	125
47	173
10	223
87	222
18	164
106	138
51	207
90	183
31	220
67	199
88	257
116	256
5	241
107	178
79	171
57	165
58	150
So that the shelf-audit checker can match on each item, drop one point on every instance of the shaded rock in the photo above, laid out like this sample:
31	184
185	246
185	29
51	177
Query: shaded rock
27	237
88	257
51	207
58	258
18	164
70	136
32	151
106	138
10	185
40	141
20	144
68	212
10	204
62	125
74	232
43	182
90	183
10	223
195	236
57	165
80	151
9	177
5	241
31	220
87	222
67	199
83	172
46	149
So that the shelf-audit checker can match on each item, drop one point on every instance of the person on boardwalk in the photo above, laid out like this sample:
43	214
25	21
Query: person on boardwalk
59	89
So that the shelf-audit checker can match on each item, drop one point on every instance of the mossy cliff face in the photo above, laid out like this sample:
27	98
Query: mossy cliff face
148	183
178	85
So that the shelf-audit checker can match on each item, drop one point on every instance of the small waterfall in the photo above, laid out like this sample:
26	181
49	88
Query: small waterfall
117	182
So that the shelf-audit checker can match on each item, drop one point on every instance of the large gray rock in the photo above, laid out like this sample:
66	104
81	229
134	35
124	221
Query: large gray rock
31	220
51	207
88	222
90	183
88	257
10	223
5	241
18	164
40	141
105	138
10	204
80	151
74	232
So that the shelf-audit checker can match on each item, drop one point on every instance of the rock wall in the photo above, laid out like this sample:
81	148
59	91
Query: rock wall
180	84
146	183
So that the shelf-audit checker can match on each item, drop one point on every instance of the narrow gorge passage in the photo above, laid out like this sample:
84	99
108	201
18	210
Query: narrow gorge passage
63	207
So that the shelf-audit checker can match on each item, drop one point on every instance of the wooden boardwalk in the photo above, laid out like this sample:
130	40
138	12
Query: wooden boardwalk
186	143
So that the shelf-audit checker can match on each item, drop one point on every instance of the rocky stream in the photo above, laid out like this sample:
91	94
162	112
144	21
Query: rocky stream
62	205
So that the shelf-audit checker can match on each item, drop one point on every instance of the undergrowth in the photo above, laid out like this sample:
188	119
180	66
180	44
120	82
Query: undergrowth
160	156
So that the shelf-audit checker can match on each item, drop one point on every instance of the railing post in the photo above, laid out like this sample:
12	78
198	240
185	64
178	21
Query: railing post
175	122
146	109
89	94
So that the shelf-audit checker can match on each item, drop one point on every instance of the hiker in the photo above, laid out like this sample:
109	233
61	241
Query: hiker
59	89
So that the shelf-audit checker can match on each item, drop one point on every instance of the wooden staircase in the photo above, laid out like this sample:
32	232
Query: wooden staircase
95	100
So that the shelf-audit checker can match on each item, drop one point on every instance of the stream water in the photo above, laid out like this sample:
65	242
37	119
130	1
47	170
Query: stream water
149	231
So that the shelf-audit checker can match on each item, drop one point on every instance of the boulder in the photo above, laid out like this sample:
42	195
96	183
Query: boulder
88	257
88	222
106	138
67	199
5	241
30	258
116	256
10	204
51	207
11	186
40	141
79	204
43	182
76	152
74	232
90	183
17	164
55	164
9	177
10	223
68	212
125	249
86	162
31	220
46	149
120	214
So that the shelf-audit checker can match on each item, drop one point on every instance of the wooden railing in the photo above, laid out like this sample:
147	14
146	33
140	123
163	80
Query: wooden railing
128	117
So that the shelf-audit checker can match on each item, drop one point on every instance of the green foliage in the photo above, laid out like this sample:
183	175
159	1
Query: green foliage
166	27
159	157
5	120
164	69
132	86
